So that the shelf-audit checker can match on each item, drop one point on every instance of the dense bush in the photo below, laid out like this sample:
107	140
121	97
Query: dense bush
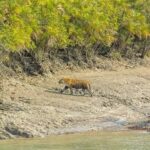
43	27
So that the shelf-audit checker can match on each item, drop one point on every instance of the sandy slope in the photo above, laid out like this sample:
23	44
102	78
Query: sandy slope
34	107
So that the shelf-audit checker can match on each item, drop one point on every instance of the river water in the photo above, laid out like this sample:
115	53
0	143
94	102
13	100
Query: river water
120	140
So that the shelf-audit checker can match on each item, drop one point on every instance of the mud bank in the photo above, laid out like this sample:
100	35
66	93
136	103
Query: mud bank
33	106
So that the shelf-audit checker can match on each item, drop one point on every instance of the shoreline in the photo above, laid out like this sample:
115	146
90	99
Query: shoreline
30	109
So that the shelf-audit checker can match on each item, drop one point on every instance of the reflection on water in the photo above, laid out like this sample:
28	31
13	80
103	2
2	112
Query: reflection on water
123	140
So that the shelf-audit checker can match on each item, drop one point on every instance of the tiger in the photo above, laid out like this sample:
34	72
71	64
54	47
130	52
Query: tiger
75	84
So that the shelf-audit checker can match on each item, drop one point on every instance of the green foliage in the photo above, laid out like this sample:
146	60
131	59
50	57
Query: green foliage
115	55
48	25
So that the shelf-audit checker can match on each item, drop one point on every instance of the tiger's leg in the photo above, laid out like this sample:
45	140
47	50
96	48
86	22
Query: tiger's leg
90	91
71	90
83	90
64	89
80	91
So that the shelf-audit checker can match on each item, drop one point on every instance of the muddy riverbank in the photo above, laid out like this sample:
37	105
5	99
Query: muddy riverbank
33	106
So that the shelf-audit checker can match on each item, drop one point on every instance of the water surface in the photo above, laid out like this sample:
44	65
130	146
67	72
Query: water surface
122	140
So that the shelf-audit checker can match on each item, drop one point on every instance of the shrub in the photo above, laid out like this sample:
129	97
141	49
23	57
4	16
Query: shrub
96	26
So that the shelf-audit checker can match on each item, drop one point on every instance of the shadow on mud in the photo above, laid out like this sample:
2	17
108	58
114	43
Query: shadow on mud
58	91
141	125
